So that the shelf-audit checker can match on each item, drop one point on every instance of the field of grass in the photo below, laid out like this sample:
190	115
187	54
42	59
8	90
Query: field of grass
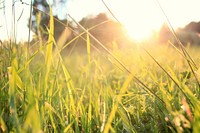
146	88
93	93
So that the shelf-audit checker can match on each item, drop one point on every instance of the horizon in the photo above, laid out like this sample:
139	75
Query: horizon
139	23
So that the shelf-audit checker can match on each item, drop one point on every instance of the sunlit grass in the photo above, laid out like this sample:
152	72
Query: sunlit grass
99	96
94	92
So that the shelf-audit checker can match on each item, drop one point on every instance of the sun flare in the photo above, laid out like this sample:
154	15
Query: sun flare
139	18
138	33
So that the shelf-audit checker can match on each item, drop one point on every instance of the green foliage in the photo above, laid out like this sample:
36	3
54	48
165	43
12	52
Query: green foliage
97	97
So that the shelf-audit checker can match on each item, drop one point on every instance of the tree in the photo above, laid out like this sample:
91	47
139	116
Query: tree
40	6
193	27
40	17
188	34
106	33
165	34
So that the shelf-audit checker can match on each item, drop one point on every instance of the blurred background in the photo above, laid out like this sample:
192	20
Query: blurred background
140	20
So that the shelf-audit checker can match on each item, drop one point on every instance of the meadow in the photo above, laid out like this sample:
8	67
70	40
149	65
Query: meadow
147	87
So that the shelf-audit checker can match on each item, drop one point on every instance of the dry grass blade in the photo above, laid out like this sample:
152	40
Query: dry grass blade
97	90
88	48
167	74
111	12
118	61
185	53
182	54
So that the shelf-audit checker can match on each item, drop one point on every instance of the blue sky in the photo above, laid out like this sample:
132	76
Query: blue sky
140	17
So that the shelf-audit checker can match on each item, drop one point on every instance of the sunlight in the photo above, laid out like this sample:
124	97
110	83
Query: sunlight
138	33
140	18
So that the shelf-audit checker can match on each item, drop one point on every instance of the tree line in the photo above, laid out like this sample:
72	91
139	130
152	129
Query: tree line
110	33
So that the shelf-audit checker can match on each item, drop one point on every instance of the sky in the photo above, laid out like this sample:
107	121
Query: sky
140	17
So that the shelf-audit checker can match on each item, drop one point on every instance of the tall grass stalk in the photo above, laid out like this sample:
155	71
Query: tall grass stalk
118	61
185	54
95	92
184	51
117	100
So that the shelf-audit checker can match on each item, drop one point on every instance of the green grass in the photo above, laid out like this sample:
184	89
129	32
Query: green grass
123	90
91	93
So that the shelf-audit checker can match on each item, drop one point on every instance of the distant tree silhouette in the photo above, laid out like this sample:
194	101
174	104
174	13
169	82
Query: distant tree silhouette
164	34
42	7
110	33
193	27
40	21
189	34
106	33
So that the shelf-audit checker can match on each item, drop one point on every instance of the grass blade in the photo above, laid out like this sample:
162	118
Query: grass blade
115	105
119	62
185	53
49	48
88	48
2	125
